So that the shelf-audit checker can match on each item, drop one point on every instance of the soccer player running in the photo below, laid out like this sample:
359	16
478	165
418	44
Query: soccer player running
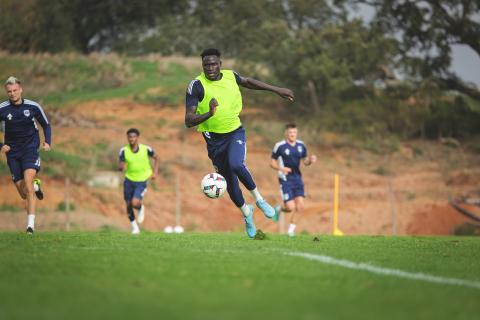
286	157
21	144
213	103
134	159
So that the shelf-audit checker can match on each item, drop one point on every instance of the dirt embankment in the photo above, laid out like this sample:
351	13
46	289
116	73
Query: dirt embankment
413	198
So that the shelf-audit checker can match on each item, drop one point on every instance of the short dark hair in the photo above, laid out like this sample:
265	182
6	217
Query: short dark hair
290	126
133	130
210	52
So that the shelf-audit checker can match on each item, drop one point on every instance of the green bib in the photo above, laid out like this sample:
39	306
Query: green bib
138	163
227	93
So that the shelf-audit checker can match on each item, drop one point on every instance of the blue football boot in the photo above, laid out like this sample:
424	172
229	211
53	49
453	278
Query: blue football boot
267	209
249	224
276	216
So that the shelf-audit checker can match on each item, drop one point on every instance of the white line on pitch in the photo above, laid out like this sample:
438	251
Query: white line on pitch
386	271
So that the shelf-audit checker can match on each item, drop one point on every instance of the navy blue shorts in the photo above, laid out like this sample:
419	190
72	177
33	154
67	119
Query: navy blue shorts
228	152
21	161
291	189
226	148
133	189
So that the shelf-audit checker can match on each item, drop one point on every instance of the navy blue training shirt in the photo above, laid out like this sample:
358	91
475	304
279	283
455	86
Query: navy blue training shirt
289	156
20	127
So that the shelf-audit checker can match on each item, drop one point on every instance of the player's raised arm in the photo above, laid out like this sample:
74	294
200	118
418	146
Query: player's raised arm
310	160
193	96
193	119
47	129
156	162
121	160
3	147
255	84
275	166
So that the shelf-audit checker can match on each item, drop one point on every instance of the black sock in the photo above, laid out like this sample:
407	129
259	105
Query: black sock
130	213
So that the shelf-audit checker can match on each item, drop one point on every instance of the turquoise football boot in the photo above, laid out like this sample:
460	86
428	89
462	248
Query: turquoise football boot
277	209
249	224
266	208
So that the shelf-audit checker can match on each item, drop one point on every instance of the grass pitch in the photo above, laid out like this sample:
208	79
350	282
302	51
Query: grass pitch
111	275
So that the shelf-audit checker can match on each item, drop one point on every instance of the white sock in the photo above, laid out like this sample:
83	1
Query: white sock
256	194
245	210
291	228
134	224
35	187
31	221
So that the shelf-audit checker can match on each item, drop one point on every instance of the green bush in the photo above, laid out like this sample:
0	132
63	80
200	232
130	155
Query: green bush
381	171
62	206
9	208
467	229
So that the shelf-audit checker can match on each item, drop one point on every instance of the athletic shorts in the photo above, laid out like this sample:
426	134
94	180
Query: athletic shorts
134	189
291	189
226	149
21	161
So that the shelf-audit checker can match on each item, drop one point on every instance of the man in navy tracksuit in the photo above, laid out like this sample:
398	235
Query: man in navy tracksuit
287	155
21	144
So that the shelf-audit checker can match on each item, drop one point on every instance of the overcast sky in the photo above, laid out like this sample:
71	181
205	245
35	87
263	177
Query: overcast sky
465	62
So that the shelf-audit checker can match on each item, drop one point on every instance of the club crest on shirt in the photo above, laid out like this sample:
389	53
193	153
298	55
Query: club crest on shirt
300	149
9	117
287	152
26	113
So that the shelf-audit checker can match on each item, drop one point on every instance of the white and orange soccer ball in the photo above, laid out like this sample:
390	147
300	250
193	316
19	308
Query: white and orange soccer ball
214	185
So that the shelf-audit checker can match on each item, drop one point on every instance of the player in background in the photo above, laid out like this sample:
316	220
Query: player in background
22	142
286	157
134	160
213	103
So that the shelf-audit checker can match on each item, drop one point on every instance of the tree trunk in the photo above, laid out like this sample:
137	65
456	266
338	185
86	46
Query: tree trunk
313	97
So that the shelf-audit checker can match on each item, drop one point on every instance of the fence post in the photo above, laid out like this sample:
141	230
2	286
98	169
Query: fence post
67	203
178	204
393	209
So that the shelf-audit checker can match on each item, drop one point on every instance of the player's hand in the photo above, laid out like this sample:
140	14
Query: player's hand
46	147
213	104
154	176
313	158
5	148
285	170
286	93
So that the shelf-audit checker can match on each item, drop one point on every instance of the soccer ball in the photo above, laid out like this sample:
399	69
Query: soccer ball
214	185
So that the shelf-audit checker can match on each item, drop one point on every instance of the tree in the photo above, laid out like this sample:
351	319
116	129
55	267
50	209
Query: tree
428	30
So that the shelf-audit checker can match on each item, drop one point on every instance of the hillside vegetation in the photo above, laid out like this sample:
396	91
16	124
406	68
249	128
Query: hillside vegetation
388	74
90	119
64	80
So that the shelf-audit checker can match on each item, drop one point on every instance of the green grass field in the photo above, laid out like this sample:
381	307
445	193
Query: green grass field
112	275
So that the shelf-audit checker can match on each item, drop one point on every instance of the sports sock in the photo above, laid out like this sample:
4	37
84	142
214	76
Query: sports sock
130	213
291	228
245	210
31	221
134	224
256	194
35	187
